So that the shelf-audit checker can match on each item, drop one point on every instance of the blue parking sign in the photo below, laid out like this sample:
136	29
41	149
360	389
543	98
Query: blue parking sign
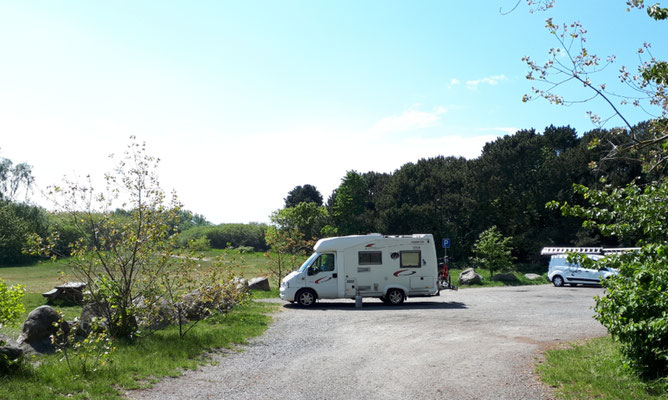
446	243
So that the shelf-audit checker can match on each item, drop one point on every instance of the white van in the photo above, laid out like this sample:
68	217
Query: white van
388	267
561	272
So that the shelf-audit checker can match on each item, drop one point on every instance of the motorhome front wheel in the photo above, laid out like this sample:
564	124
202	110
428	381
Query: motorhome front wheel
306	298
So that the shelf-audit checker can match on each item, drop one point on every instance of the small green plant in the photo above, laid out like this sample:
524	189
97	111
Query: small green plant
11	308
492	251
10	303
83	355
200	244
245	249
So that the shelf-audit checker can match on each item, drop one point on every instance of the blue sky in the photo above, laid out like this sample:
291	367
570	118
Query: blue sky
245	100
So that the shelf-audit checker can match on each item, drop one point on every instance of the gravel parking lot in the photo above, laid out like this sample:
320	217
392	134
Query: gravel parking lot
471	344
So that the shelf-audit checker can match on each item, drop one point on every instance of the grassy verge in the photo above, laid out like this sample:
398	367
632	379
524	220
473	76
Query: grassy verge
593	370
141	363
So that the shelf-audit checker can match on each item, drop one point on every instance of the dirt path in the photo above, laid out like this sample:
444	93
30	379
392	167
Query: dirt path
471	344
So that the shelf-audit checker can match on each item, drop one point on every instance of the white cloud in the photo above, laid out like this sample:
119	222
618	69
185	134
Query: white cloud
490	80
408	120
454	82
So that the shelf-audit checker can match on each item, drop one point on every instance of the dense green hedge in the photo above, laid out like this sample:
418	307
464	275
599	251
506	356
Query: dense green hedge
225	235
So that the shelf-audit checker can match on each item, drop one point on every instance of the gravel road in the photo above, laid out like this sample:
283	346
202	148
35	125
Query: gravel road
471	344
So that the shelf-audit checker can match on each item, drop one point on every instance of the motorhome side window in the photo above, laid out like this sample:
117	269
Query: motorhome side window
325	262
410	259
370	258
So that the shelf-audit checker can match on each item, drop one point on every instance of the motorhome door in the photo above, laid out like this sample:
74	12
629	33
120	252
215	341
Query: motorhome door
323	276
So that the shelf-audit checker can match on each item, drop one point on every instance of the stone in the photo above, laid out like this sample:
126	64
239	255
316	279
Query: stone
469	276
9	351
533	277
259	283
240	284
507	277
88	312
38	328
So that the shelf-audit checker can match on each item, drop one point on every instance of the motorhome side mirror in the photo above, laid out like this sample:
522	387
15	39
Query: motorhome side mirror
311	271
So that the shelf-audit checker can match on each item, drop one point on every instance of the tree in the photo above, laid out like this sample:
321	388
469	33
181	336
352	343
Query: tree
493	251
306	218
303	194
13	178
17	222
286	245
124	256
572	62
635	307
349	205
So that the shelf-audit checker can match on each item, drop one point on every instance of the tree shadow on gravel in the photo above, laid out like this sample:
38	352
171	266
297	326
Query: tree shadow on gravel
379	306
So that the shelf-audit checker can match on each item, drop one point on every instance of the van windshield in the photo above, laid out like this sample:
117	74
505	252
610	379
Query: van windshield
308	262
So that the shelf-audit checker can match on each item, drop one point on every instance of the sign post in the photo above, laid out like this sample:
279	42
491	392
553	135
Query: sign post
446	245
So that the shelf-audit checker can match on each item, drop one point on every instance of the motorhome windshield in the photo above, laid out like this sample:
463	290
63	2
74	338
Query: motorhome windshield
308	262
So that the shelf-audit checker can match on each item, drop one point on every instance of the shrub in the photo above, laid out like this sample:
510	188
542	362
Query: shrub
10	303
200	244
634	308
245	249
225	235
492	251
17	222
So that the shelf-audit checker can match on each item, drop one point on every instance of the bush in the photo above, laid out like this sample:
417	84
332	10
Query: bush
226	235
11	306
17	222
245	249
634	308
200	244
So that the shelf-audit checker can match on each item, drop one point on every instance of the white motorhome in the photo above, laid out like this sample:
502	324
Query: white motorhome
388	267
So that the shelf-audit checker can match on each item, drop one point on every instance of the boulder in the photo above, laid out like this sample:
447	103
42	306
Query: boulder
259	283
38	328
507	277
9	351
154	315
240	284
90	311
469	276
533	277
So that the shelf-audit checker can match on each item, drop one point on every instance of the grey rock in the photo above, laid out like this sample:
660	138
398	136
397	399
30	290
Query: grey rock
259	283
38	328
533	277
9	350
507	277
39	325
90	311
469	276
240	283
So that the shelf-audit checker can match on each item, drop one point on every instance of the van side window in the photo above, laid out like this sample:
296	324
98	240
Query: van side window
370	258
324	263
411	259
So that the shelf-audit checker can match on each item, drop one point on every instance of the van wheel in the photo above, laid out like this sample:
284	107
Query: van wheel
306	298
395	297
558	281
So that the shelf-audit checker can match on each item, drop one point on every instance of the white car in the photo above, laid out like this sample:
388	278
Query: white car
562	272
